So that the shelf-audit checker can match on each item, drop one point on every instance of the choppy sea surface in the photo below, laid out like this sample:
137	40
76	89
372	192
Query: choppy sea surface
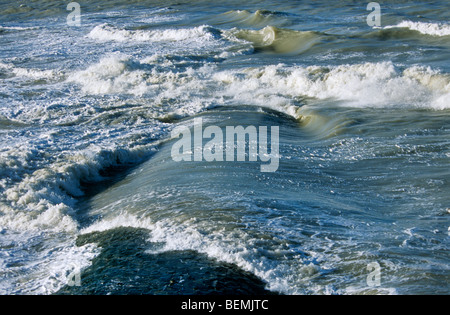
92	202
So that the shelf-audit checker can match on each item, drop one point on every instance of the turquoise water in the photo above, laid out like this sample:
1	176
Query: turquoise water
88	185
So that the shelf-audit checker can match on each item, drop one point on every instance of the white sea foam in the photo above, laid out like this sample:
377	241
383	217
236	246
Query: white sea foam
36	73
121	74
359	85
433	29
18	28
30	73
106	32
38	218
40	264
43	200
121	220
280	276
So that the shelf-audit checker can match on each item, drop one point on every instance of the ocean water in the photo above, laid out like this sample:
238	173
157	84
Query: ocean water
92	202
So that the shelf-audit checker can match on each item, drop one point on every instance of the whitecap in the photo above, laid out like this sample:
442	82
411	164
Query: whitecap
433	29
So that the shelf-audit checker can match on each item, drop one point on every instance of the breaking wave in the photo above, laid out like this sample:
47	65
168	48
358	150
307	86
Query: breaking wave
107	32
358	85
433	29
272	39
